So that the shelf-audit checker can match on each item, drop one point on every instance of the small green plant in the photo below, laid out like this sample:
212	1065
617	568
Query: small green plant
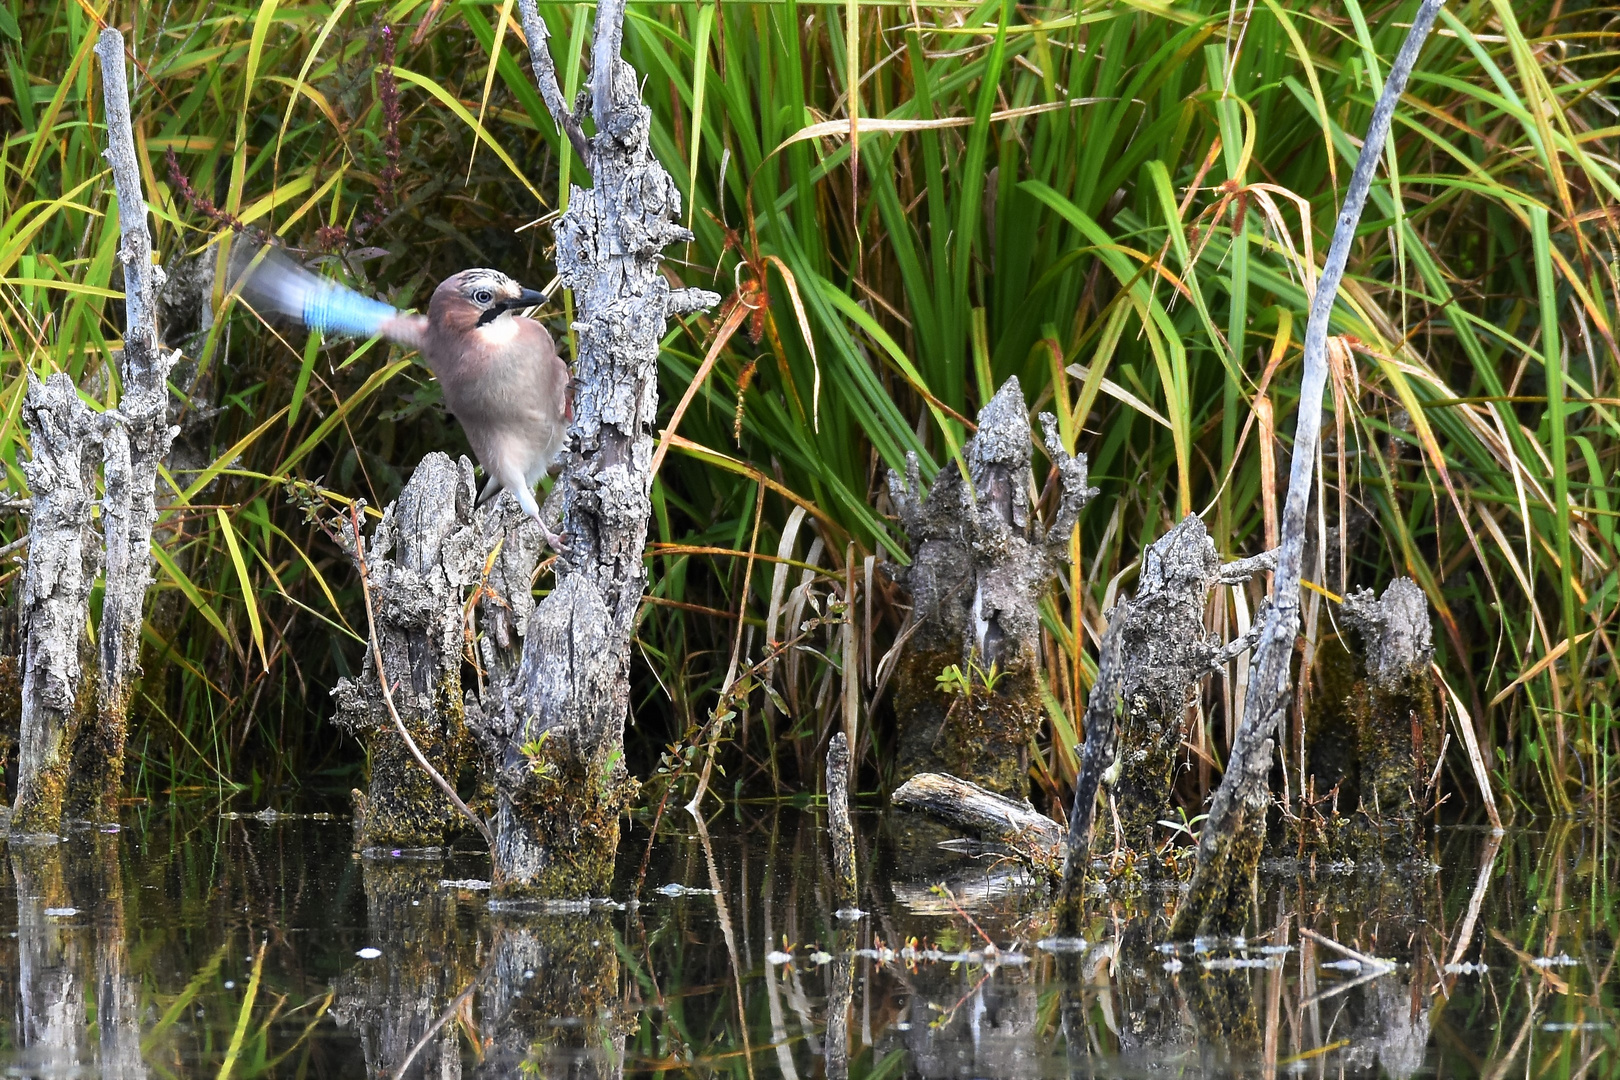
534	752
974	681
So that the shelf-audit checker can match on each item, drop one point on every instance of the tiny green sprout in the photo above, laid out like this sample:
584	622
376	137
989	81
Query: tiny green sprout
953	681
534	751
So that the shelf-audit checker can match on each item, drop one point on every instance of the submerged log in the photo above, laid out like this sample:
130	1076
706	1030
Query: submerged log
1036	839
422	558
1229	845
560	780
967	690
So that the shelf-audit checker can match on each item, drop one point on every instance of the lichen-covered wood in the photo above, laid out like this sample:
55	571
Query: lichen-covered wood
1165	651
1153	655
63	554
421	560
560	780
979	564
135	439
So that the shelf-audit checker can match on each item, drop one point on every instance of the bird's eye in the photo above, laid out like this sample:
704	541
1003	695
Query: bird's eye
482	296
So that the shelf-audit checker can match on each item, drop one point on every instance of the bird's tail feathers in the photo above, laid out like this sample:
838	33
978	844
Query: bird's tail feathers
275	283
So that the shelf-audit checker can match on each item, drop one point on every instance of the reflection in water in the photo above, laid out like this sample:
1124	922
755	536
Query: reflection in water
394	1004
194	943
77	1001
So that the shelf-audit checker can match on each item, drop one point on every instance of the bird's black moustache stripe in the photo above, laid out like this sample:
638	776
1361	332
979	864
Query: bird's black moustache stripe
494	311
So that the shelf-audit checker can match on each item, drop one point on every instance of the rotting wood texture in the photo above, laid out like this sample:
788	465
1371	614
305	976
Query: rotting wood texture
63	554
1396	711
1162	651
979	566
1036	839
422	560
560	781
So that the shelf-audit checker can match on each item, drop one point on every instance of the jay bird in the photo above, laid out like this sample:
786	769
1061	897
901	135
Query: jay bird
499	371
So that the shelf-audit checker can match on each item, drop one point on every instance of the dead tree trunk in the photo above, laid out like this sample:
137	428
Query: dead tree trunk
979	566
62	562
1163	651
422	558
135	440
1397	719
560	778
1230	843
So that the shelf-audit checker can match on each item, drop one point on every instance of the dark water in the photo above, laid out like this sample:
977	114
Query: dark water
196	943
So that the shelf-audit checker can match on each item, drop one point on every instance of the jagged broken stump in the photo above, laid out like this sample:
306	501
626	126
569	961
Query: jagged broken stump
980	563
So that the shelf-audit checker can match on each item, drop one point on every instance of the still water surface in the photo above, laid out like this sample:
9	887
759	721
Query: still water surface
203	940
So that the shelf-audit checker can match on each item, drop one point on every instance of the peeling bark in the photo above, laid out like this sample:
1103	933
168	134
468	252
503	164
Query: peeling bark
979	566
421	559
135	440
62	560
560	780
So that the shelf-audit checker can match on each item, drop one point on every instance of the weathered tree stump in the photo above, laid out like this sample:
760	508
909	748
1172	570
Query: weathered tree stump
421	560
1394	711
63	554
1153	654
72	749
979	566
560	780
1165	652
135	439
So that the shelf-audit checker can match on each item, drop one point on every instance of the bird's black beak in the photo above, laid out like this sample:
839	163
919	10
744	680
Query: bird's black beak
527	298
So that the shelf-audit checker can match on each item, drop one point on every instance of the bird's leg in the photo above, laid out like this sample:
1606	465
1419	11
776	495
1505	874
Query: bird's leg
525	495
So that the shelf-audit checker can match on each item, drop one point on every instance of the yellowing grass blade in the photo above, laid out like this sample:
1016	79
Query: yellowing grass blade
249	600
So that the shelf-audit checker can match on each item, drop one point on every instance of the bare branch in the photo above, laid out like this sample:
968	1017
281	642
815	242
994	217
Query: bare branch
545	75
1244	793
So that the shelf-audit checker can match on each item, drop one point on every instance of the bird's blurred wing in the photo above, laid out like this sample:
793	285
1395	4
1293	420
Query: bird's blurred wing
275	283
